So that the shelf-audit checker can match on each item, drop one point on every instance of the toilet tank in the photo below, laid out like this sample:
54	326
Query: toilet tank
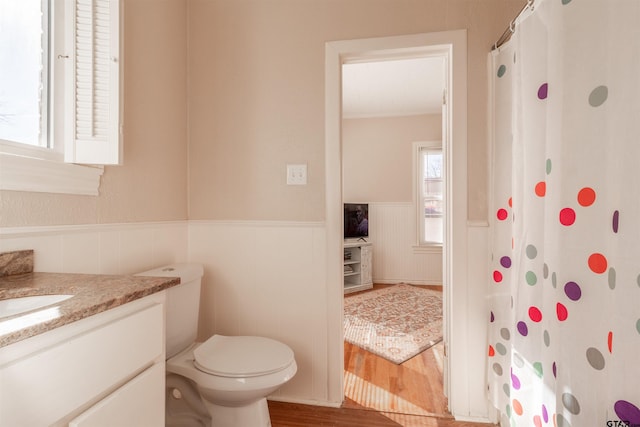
183	304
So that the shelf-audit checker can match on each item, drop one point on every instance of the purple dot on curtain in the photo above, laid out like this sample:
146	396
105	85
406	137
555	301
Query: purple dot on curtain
515	381
627	412
573	291
523	329
616	221
505	261
543	91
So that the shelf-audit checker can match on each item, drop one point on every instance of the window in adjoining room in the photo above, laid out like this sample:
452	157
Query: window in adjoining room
429	193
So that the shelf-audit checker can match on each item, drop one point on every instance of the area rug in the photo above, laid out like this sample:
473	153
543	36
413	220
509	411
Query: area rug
396	322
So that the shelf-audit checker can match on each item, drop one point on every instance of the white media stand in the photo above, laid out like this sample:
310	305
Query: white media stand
358	257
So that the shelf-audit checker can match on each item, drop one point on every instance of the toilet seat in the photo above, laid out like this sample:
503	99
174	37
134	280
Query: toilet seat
242	356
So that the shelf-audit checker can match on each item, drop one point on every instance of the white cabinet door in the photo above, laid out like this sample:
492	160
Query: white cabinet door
138	403
366	264
46	386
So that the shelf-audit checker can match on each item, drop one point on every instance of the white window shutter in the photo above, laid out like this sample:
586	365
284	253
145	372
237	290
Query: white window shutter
93	131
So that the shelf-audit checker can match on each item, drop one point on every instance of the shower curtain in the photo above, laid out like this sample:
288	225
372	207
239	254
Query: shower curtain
564	292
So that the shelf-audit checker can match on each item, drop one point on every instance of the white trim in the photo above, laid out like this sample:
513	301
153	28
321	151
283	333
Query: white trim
253	223
52	230
453	44
19	173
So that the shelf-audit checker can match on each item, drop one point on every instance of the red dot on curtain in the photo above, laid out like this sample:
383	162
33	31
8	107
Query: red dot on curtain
541	189
510	202
517	406
497	276
597	263
586	196
535	314
610	341
567	216
502	214
492	352
561	312
537	421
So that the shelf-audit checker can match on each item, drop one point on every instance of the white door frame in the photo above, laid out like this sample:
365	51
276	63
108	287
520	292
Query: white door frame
453	45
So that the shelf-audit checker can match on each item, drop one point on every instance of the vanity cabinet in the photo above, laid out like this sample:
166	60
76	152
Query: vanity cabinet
104	370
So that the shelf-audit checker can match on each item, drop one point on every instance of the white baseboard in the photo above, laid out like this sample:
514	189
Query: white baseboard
410	282
305	402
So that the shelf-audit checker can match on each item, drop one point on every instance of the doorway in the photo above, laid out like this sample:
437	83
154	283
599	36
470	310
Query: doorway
452	45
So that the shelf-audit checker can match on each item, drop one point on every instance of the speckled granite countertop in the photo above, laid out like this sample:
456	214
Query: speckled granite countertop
93	294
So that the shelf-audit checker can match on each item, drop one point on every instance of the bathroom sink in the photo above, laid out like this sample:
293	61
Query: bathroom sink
13	306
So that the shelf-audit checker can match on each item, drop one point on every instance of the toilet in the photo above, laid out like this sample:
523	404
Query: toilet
223	381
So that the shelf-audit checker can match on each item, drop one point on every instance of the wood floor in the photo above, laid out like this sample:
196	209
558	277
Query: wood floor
379	393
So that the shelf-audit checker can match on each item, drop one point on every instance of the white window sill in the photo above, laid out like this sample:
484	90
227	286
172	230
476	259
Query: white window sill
427	249
21	173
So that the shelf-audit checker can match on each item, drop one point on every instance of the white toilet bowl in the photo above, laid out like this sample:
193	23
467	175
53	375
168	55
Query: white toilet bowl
235	375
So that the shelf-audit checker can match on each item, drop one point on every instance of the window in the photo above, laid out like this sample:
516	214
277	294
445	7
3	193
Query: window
429	192
24	69
60	67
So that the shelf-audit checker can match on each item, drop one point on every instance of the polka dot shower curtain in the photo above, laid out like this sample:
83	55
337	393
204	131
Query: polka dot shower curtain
564	297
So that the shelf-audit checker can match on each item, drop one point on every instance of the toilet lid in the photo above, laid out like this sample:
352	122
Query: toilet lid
242	356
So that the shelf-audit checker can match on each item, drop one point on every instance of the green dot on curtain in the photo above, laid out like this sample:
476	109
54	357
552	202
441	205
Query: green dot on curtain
506	389
531	278
501	70
545	270
546	338
555	283
537	368
561	421
638	280
501	349
548	166
531	251
638	325
598	96
566	1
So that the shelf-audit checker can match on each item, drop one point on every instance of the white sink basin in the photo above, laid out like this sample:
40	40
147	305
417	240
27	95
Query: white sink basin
13	306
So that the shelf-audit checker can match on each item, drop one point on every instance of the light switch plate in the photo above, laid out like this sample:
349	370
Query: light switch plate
297	174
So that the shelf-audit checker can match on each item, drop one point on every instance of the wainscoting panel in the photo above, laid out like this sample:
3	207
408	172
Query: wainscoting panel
396	259
268	279
100	248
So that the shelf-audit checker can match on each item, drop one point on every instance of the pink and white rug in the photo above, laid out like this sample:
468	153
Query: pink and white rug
396	322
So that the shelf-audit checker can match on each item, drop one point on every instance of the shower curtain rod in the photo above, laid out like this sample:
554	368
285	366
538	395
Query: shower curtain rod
506	35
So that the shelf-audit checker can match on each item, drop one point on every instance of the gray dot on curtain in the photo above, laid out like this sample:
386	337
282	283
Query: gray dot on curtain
595	358
598	96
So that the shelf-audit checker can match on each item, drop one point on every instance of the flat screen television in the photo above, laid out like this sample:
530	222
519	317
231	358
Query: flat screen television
356	220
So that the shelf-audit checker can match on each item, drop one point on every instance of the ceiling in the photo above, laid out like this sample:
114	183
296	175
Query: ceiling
398	87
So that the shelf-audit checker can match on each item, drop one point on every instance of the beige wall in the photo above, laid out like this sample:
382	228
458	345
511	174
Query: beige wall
256	94
152	183
254	102
377	156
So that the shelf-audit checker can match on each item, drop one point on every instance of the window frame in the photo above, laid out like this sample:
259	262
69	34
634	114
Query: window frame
418	200
59	169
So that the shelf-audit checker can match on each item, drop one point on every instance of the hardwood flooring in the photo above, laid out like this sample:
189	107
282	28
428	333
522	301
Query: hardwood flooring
379	393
